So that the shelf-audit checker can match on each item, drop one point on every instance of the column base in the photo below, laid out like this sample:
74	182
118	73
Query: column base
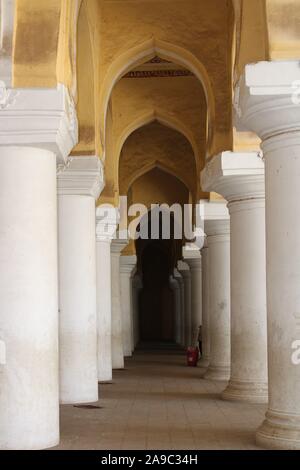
279	431
105	378
118	365
7	445
127	354
80	401
221	373
250	392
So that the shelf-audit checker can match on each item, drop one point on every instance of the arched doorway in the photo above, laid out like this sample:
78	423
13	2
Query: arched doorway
156	260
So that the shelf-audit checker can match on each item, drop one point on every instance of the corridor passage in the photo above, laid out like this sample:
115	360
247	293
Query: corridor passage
157	402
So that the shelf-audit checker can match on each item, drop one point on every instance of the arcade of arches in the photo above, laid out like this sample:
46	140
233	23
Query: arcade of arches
110	109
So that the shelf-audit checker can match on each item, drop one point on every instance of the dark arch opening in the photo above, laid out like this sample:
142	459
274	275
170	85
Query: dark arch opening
156	260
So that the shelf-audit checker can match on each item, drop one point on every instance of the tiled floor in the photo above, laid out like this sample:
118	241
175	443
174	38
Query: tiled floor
159	403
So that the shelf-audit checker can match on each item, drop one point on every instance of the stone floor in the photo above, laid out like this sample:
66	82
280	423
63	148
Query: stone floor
157	402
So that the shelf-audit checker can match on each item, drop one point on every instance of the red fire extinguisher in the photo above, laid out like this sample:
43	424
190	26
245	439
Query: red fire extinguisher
192	356
192	352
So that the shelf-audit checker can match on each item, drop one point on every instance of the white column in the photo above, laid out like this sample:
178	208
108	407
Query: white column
186	275
192	257
78	187
127	265
28	299
218	238
268	104
240	179
180	281
204	361
174	286
116	309
35	135
106	224
137	286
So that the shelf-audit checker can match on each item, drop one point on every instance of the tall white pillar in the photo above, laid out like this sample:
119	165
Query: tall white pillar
106	225
240	179
192	257
78	187
186	275
217	229
174	286
137	286
204	361
268	104
28	299
127	265
116	308
180	281
35	135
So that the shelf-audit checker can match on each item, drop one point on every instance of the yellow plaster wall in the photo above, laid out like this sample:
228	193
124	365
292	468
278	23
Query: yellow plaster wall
202	30
251	33
36	38
283	18
86	86
110	194
157	145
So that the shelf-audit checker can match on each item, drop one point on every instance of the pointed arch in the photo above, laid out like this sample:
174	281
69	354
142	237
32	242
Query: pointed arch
151	166
163	118
145	52
166	120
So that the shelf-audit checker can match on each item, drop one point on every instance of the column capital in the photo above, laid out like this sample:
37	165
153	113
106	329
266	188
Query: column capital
82	176
117	245
107	219
267	99
236	176
191	251
192	258
38	117
183	268
127	263
216	217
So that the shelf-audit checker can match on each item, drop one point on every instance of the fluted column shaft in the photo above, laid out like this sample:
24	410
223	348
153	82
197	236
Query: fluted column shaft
106	224
186	275
239	177
127	265
266	104
117	332
217	229
204	361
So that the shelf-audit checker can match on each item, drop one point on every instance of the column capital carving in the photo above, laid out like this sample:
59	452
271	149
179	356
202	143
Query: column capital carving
107	219
267	99
236	176
192	256
117	245
38	117
127	263
81	176
191	251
